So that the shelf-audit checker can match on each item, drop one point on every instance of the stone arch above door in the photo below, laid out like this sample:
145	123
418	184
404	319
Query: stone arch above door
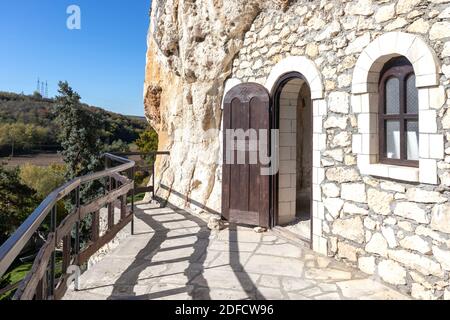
311	74
302	65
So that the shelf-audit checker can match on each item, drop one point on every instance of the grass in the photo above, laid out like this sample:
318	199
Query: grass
17	275
20	272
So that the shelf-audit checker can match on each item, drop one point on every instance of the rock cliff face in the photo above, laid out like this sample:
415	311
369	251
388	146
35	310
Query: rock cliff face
191	46
391	224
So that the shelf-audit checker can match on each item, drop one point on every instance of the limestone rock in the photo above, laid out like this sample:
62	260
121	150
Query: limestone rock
416	243
216	223
440	30
427	232
440	218
358	44
367	264
339	102
412	211
385	13
336	154
443	257
419	26
414	261
423	196
260	230
189	57
378	245
379	201
354	192
446	51
421	293
351	208
360	7
347	251
351	229
405	225
396	24
334	206
406	6
312	50
392	186
335	122
370	224
331	190
391	272
342	174
342	139
389	235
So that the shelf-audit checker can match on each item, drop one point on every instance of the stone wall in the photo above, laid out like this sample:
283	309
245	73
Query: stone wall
398	231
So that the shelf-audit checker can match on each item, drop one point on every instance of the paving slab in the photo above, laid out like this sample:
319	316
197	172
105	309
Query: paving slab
173	255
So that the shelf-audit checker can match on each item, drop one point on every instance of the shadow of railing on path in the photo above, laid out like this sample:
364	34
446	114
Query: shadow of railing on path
235	263
144	259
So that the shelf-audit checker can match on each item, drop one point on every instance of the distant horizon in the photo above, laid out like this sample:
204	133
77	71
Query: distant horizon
83	102
103	60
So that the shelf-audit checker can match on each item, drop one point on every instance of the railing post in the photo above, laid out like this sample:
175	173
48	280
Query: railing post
110	206
132	200
96	226
51	283
153	182
77	224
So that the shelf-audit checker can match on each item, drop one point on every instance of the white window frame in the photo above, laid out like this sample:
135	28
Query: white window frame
365	106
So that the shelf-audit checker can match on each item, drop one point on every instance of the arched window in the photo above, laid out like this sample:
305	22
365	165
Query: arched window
398	114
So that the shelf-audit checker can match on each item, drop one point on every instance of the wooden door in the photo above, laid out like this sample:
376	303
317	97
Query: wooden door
245	191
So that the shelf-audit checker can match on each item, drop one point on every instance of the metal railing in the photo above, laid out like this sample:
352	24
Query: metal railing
41	283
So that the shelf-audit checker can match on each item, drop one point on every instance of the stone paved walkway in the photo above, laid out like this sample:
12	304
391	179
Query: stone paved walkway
175	256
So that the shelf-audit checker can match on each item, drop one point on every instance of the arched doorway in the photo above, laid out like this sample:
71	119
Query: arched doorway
292	186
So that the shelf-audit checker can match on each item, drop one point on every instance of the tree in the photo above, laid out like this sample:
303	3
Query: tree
147	142
22	136
79	133
17	201
79	139
43	179
117	146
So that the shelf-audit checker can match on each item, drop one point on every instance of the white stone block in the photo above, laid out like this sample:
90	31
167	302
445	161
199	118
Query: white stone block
357	143
317	227
319	141
288	139
317	192
428	171
424	100
356	103
424	145
436	146
285	125
403	173
288	167
285	153
317	159
287	195
288	112
320	245
318	124
284	181
427	121
369	144
369	102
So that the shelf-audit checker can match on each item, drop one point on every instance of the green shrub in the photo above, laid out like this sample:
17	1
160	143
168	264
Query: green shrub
43	179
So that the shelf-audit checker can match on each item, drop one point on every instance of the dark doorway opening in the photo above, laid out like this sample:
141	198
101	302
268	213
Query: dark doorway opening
291	201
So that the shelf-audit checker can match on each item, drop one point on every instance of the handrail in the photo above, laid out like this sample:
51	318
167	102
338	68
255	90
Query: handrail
15	244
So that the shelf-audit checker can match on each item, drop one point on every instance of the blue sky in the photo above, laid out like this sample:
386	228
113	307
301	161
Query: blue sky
104	61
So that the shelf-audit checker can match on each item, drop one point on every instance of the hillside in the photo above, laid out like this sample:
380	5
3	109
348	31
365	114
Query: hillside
37	113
